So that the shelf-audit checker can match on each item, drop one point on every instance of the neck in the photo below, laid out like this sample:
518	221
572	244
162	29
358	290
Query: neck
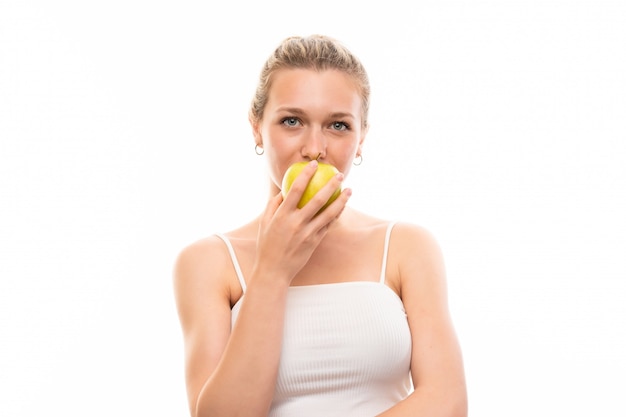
273	188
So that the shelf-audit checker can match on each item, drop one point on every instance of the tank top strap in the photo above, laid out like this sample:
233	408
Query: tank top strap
383	269
233	257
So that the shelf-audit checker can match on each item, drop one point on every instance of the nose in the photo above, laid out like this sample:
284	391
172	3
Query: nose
314	145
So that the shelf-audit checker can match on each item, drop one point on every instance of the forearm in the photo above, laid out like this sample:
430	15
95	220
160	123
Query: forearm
431	403
246	374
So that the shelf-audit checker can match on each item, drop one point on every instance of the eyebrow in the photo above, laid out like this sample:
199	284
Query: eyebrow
342	115
299	111
294	110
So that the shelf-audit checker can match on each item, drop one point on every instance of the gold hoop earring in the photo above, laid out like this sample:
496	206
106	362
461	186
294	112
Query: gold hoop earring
358	160
258	150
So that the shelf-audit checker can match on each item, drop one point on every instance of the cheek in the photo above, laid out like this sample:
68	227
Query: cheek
345	156
276	166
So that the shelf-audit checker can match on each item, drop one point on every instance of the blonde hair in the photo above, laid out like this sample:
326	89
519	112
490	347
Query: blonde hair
316	52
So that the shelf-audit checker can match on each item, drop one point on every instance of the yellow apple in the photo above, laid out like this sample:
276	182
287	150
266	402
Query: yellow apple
322	175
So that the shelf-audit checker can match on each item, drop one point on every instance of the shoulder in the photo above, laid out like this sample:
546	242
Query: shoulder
417	257
200	255
414	240
199	270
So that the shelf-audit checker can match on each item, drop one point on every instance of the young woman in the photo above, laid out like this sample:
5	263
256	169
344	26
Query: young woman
299	313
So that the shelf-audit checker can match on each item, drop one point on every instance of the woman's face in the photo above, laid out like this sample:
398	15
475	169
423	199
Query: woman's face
310	115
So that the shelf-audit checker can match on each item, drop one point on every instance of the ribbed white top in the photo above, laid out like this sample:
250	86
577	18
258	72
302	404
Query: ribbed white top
346	349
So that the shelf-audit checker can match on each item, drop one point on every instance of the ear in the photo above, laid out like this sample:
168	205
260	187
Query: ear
256	132
359	149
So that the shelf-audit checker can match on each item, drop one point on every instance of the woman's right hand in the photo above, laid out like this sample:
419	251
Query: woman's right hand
288	235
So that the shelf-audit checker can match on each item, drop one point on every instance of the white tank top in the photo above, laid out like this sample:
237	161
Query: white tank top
346	348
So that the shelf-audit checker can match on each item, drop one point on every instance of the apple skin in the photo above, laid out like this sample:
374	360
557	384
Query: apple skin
322	175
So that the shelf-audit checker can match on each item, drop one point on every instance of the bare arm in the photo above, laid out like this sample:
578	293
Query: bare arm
436	361
227	370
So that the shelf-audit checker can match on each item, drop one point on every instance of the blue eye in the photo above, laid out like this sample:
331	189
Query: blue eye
290	121
340	126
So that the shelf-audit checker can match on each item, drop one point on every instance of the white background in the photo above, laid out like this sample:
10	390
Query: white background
498	125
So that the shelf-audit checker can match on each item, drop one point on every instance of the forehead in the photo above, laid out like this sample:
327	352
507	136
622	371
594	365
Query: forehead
311	88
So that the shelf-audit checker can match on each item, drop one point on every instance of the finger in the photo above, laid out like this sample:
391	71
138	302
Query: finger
315	206
331	214
299	184
274	203
271	207
333	211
